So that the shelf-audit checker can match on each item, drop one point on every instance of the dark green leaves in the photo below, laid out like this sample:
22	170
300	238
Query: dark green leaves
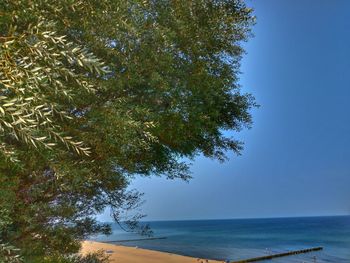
95	92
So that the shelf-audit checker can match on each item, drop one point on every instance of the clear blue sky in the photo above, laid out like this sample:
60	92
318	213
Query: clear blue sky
296	160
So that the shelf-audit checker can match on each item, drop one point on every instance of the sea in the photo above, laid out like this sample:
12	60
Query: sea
237	239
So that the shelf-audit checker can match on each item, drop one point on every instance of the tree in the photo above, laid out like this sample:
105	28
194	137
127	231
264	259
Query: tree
93	93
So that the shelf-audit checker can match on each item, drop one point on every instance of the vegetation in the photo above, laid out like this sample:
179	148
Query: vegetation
9	254
95	92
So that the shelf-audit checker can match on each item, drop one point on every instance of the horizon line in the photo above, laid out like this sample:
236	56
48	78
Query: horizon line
236	218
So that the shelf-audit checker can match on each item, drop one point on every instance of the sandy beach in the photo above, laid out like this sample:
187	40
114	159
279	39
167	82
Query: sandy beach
121	254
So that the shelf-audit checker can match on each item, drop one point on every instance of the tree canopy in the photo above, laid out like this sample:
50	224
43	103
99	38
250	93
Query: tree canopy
95	92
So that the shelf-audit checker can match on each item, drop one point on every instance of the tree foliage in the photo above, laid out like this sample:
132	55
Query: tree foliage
9	254
93	93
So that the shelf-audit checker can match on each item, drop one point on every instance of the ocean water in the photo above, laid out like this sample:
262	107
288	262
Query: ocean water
245	238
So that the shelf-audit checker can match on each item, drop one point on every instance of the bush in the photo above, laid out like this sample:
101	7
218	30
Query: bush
97	257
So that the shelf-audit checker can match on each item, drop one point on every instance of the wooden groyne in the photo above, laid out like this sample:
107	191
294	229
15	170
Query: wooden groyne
289	253
132	240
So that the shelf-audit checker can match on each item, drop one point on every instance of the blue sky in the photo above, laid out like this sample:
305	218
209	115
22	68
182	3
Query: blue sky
296	160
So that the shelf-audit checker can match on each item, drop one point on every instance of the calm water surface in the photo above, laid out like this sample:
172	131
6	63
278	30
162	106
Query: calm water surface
245	238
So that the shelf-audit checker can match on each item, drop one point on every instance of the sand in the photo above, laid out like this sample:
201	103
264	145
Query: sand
121	254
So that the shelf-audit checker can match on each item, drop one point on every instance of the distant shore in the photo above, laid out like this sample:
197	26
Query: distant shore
122	254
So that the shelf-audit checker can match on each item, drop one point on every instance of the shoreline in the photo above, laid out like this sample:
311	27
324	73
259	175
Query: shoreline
124	254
